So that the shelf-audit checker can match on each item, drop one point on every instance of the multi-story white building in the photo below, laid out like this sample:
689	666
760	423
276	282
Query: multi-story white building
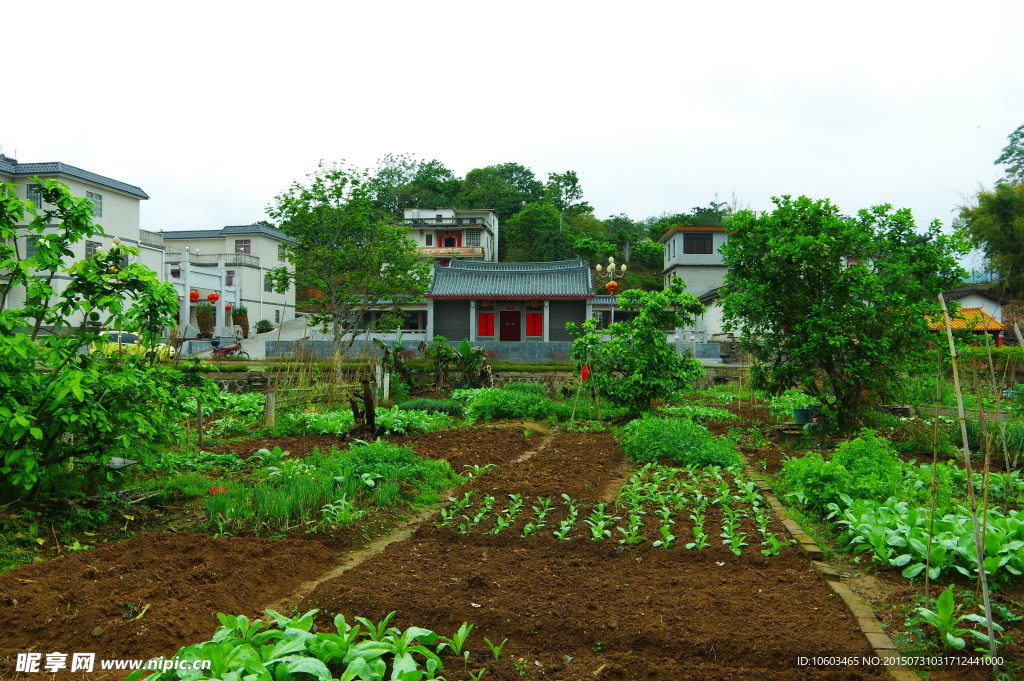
232	262
116	211
445	233
692	254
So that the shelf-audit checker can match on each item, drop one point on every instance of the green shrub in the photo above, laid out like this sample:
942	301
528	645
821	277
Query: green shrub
651	438
450	407
399	464
493	403
864	468
527	389
191	485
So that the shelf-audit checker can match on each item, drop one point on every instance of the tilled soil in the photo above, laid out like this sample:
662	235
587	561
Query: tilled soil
573	610
92	601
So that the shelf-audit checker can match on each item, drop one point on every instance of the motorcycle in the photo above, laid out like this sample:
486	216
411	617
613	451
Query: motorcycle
228	350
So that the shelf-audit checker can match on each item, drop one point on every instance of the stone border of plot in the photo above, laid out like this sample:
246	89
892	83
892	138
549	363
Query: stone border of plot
861	610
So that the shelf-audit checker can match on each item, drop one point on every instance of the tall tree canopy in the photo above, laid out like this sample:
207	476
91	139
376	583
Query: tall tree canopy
348	249
505	188
534	235
1013	156
994	222
833	303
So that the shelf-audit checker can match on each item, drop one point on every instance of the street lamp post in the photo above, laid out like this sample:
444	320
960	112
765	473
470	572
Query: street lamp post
611	274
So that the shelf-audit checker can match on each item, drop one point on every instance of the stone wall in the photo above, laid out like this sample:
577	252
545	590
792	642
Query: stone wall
525	351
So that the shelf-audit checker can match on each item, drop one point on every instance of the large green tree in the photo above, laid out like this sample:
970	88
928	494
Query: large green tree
832	303
1013	156
505	188
636	365
56	402
535	234
348	249
563	192
994	222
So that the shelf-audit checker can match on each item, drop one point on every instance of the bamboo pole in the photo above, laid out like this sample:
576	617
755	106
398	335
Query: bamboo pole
979	546
935	473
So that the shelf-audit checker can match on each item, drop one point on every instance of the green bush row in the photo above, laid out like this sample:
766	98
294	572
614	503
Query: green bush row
652	438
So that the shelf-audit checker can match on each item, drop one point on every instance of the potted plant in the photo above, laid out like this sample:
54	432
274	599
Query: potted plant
240	315
205	318
264	325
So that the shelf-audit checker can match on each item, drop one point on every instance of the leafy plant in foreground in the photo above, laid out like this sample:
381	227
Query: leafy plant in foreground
948	624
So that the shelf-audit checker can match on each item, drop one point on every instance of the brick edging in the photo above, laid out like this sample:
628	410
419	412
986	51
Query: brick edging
869	624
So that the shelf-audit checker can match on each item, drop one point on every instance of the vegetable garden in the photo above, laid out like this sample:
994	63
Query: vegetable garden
491	535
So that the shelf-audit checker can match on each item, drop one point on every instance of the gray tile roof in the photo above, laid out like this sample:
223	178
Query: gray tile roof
229	231
192	234
258	229
605	300
475	279
30	169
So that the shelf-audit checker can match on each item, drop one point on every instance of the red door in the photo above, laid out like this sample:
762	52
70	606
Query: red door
510	323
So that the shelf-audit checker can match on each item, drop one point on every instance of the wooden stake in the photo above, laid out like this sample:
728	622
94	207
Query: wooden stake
199	417
979	545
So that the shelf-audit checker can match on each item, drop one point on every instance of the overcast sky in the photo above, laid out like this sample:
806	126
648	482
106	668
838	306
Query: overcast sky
214	107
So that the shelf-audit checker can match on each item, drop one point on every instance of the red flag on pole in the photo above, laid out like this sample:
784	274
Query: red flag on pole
585	372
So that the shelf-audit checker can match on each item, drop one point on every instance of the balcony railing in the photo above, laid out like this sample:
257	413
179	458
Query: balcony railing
443	222
150	238
211	259
442	252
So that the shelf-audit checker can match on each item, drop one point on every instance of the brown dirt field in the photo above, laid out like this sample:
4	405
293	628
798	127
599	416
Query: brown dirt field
573	610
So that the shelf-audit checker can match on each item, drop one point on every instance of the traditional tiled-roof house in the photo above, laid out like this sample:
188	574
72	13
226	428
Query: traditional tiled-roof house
508	301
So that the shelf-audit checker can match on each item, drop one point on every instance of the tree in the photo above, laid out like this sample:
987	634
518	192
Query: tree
832	303
56	402
534	235
637	365
649	255
504	188
392	174
995	223
1013	156
563	192
350	251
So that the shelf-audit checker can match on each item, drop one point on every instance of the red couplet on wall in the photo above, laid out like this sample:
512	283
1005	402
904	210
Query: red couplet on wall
485	324
534	323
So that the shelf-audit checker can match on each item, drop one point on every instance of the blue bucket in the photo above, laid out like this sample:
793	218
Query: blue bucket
801	416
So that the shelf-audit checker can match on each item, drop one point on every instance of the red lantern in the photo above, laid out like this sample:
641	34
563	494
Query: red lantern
194	296
227	308
611	286
213	297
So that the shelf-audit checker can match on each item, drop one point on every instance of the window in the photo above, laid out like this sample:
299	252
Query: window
472	237
282	254
90	248
176	274
35	196
243	246
439	219
229	278
97	203
429	239
267	285
31	244
698	244
277	316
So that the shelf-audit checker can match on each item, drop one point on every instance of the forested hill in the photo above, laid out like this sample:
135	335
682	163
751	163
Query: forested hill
540	221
